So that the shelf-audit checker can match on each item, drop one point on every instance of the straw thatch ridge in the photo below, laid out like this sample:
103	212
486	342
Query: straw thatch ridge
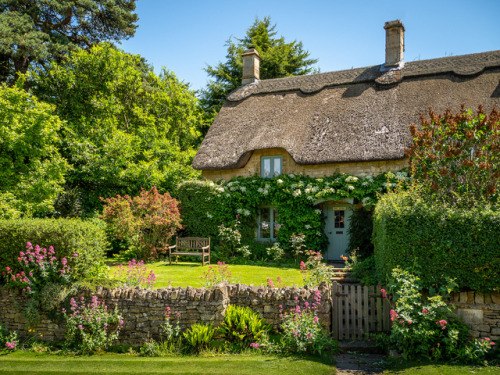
346	116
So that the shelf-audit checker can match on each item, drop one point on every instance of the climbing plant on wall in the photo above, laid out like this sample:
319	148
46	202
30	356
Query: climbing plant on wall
295	197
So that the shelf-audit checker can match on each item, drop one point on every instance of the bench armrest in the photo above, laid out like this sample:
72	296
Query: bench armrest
172	247
206	247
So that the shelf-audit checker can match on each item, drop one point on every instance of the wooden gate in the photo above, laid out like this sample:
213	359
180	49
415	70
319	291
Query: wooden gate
357	311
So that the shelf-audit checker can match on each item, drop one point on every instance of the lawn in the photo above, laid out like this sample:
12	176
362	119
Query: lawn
415	368
184	274
38	363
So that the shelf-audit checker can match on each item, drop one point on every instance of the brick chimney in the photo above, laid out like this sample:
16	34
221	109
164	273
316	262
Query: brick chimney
251	66
394	43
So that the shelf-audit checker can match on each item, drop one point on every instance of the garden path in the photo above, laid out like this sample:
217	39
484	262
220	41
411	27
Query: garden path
354	363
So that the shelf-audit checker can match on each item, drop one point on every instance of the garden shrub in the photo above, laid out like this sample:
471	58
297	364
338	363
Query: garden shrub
426	327
66	236
8	339
437	241
136	274
216	274
456	157
148	221
199	336
301	330
242	326
91	327
315	271
197	200
360	233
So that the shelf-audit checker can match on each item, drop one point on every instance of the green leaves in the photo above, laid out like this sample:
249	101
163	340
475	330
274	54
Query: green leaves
277	59
32	171
126	128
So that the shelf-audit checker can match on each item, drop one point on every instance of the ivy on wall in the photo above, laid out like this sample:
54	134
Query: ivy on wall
296	197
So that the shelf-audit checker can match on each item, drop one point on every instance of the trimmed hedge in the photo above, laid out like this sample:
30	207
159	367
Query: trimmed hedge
67	236
197	200
436	242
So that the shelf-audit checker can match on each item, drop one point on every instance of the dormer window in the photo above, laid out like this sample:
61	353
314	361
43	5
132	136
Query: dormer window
271	166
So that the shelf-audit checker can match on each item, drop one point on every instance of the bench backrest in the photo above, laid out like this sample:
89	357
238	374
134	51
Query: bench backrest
195	243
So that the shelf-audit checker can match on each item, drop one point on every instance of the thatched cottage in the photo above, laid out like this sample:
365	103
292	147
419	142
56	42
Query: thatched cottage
354	121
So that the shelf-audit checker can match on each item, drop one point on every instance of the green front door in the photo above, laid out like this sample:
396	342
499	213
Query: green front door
336	226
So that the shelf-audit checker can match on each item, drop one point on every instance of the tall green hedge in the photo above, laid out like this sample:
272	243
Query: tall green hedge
197	203
67	236
436	242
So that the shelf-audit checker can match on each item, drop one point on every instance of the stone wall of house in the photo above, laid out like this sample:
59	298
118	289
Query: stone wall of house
143	309
371	168
480	311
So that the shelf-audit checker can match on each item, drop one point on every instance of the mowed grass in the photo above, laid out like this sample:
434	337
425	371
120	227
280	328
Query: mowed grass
38	363
415	368
191	274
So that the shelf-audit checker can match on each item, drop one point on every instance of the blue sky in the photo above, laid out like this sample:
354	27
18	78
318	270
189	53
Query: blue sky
186	35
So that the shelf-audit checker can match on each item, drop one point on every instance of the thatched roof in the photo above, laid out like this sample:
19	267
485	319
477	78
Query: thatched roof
351	115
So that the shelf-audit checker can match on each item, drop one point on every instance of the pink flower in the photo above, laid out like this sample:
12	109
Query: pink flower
384	293
442	323
394	315
75	255
254	345
309	335
80	326
425	311
10	345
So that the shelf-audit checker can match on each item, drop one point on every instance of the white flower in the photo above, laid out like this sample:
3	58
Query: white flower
310	197
228	195
246	212
350	187
307	191
209	216
239	211
279	181
243	188
351	179
260	190
265	192
296	193
314	189
318	211
291	175
220	189
307	226
318	233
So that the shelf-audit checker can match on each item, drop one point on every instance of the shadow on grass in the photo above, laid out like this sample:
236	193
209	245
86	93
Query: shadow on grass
400	366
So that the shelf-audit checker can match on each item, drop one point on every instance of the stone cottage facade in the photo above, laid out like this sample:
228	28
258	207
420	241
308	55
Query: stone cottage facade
353	121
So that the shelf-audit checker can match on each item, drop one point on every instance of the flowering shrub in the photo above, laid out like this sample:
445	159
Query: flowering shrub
230	240
36	268
426	327
279	283
148	221
219	274
170	331
91	327
457	157
298	245
8	340
314	270
275	252
302	331
136	274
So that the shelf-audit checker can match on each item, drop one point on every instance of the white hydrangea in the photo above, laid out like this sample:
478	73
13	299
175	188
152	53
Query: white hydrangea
351	179
350	187
310	197
314	189
239	211
246	212
209	215
307	226
228	195
279	181
220	189
297	192
317	211
307	191
260	190
265	192
243	188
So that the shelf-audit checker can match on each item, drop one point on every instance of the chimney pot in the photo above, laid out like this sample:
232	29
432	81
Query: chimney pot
394	43
251	66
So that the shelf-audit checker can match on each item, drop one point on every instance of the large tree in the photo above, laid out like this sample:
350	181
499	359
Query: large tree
126	127
31	167
277	59
33	31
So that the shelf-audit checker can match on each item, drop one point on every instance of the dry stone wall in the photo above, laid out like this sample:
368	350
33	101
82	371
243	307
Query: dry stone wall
143	309
479	311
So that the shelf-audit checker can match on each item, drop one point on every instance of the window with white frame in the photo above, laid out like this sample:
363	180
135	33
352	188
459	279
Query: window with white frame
268	224
271	166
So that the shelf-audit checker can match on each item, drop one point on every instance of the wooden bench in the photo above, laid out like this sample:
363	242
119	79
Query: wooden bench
186	245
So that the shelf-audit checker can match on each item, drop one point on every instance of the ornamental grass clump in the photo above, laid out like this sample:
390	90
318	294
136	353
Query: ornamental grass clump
426	327
91	327
136	274
302	330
